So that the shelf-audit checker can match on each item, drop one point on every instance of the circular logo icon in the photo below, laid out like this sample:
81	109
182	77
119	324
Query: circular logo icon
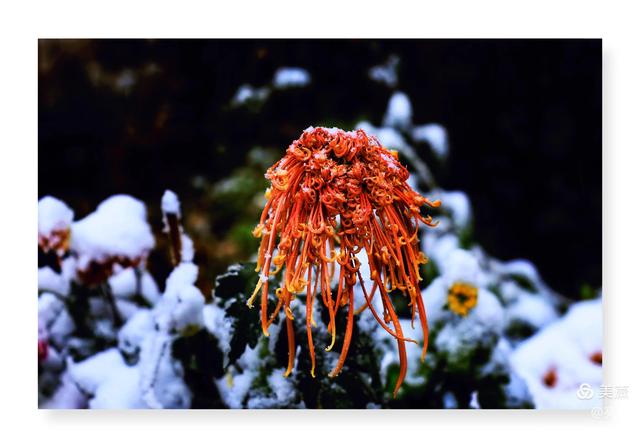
585	391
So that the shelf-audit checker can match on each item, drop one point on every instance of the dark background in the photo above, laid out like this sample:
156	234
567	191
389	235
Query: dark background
523	116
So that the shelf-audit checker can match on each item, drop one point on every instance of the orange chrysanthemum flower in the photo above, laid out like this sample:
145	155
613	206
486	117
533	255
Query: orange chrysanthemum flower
332	195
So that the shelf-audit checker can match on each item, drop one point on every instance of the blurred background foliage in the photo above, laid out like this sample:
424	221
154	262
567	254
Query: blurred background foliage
139	116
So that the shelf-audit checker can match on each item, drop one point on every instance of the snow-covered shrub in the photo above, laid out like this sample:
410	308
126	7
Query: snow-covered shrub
106	334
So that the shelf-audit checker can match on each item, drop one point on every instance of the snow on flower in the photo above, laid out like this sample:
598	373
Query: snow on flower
181	244
170	203
107	256
465	322
54	222
566	354
116	233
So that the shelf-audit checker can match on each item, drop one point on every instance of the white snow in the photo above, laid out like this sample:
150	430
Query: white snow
282	386
118	228
124	284
120	391
50	281
533	309
461	266
473	402
435	135
49	308
186	248
54	319
517	270
462	336
182	303
414	351
399	111
386	73
61	328
235	387
170	203
564	347
127	309
439	248
457	204
188	311
110	382
449	401
133	333
185	274
287	77
161	380
246	93
217	323
53	214
67	396
459	336
519	267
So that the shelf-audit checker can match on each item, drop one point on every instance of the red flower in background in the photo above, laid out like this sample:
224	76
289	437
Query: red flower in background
332	195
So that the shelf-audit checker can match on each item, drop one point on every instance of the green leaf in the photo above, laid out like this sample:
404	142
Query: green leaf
232	291
202	361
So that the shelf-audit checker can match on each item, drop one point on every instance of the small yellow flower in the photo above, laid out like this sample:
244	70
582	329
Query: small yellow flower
462	298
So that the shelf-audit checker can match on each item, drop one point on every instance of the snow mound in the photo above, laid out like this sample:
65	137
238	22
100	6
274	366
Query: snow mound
53	214
117	229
